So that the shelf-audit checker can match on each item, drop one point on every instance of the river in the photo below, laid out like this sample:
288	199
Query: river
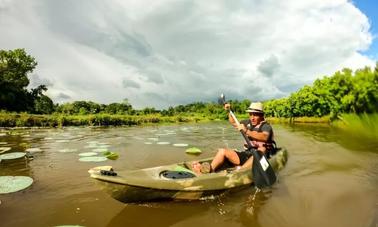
331	178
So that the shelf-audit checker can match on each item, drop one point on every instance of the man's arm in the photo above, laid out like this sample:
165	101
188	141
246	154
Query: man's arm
259	136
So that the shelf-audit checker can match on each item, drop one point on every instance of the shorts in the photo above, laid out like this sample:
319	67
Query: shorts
243	156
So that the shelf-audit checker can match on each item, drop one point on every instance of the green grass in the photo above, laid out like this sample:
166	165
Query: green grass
60	120
364	125
325	119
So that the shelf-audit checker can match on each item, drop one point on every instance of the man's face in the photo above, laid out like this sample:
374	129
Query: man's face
255	118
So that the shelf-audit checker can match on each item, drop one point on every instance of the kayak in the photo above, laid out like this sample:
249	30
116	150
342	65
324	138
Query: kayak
175	181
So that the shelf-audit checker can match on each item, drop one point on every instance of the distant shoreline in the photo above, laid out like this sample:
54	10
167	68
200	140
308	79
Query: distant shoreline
25	120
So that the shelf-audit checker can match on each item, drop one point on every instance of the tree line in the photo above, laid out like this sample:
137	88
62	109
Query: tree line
344	92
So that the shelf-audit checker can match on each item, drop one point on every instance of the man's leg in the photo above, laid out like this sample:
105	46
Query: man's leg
248	163
223	154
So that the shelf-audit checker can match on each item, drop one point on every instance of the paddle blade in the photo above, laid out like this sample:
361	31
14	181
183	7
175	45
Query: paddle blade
263	173
222	99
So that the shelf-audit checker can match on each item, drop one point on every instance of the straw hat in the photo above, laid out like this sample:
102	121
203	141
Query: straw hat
255	107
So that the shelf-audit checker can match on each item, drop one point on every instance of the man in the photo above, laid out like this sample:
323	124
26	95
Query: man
258	131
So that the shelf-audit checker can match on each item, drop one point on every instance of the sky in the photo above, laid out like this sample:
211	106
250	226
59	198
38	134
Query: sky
164	53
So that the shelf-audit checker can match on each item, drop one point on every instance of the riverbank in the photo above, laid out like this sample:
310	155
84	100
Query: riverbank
364	124
10	120
325	119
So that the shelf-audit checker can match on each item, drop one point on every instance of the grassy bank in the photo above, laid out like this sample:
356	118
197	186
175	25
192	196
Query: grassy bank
363	125
325	119
60	120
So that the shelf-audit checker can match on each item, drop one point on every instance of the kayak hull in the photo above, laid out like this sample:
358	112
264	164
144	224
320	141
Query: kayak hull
145	185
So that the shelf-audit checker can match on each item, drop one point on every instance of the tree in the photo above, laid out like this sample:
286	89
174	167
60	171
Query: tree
14	67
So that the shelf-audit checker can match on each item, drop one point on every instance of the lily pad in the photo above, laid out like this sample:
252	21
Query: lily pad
9	184
62	141
93	159
87	154
100	150
92	142
12	155
4	149
67	150
33	150
180	144
193	150
90	146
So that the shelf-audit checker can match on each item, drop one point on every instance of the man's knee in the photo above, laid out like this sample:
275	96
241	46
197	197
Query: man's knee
222	151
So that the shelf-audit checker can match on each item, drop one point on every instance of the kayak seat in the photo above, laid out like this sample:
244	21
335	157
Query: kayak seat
171	174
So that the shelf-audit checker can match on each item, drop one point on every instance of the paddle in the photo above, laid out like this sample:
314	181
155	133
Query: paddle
263	173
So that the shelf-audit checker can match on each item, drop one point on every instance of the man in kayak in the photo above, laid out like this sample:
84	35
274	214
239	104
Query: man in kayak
258	131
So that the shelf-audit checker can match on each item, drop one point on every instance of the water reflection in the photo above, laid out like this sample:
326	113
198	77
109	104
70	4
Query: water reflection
16	167
157	214
327	133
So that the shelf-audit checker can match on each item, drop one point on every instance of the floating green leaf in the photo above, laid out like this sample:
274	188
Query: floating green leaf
180	144
100	150
110	155
87	154
12	155
193	150
9	184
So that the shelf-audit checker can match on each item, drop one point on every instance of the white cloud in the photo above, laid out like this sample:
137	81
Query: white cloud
173	52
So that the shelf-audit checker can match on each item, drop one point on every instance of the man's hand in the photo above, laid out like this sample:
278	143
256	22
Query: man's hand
241	127
227	106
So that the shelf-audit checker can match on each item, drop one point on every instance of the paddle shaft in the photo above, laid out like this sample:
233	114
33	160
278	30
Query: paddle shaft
249	144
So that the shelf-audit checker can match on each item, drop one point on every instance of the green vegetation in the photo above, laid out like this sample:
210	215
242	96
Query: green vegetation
14	67
341	93
103	119
327	100
363	125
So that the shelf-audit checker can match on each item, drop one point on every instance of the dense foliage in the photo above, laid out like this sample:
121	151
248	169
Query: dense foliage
15	65
344	92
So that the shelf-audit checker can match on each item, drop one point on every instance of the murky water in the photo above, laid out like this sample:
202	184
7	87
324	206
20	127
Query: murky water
331	179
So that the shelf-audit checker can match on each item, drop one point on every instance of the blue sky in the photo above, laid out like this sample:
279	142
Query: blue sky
370	9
